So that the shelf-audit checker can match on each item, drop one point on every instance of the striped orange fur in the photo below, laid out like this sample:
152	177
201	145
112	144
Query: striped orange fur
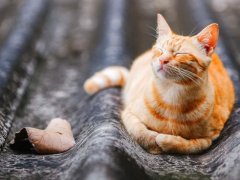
160	117
177	96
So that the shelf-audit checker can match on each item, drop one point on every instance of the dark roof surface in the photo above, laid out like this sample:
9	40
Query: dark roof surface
41	77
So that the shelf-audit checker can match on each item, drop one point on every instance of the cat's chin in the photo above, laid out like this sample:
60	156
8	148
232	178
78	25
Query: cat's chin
161	74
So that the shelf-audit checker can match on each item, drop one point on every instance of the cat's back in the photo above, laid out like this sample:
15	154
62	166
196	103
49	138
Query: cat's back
224	89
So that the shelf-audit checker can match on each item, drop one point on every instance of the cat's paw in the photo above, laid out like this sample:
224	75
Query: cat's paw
168	143
154	149
149	143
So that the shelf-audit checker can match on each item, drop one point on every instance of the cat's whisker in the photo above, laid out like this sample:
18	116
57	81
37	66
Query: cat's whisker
152	35
186	74
189	76
155	31
174	72
192	74
152	28
177	72
194	80
194	29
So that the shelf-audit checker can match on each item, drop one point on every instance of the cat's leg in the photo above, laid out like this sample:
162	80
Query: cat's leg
145	137
177	144
108	77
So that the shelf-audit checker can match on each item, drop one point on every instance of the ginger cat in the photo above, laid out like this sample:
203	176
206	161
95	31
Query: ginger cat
177	96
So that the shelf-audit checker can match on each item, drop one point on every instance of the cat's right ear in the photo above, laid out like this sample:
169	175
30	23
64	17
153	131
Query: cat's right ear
208	38
163	28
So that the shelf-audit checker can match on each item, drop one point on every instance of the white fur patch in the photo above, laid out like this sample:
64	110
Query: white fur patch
99	81
113	74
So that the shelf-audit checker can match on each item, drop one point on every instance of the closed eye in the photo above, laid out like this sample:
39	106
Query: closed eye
180	53
192	60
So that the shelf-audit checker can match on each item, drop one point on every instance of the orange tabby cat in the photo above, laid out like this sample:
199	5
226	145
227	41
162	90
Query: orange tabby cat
177	96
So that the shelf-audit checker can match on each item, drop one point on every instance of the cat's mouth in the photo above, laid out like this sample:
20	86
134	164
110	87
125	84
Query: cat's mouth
161	70
166	71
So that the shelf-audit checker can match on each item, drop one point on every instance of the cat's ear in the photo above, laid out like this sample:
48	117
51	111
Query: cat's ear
163	28
208	38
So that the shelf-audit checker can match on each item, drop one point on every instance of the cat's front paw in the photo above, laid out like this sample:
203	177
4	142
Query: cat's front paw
155	149
168	143
149	143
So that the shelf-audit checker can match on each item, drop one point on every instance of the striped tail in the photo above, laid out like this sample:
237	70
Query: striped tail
109	77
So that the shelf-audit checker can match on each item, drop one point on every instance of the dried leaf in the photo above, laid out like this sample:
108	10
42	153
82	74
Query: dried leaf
56	138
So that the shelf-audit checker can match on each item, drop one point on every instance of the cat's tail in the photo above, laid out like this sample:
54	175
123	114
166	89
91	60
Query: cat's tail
108	77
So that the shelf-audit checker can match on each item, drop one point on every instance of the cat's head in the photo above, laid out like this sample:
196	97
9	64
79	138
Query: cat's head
183	58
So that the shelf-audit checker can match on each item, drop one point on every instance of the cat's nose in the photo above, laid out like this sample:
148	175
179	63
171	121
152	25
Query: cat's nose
164	61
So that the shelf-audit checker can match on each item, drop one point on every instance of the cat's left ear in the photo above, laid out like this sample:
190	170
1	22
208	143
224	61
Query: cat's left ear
208	38
163	28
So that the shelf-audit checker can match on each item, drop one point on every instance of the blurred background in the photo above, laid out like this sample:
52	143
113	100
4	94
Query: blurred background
82	19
